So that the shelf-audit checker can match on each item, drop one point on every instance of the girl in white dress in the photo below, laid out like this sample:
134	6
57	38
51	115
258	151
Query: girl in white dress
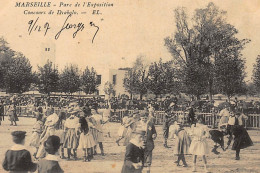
86	141
199	145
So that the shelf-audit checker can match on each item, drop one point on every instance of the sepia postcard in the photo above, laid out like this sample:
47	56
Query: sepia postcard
110	35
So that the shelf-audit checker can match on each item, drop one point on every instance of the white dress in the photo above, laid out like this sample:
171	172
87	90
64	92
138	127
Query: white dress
87	140
199	145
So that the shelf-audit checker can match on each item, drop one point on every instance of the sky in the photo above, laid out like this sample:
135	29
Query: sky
126	30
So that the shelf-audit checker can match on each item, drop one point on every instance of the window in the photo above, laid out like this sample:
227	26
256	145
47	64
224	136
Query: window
98	79
114	79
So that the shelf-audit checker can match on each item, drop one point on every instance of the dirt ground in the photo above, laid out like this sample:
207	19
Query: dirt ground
163	159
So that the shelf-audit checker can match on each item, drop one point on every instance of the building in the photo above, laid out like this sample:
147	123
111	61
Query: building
115	77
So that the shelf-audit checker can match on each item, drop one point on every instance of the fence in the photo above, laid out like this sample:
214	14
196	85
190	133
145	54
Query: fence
211	119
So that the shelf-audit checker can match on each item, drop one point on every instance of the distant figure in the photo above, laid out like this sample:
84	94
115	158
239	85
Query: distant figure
12	115
18	159
2	111
166	125
191	116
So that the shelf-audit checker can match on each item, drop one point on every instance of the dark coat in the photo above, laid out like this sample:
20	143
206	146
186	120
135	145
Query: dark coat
133	154
49	166
18	160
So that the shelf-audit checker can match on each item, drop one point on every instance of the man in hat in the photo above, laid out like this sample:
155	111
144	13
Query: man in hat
149	138
18	159
134	156
166	125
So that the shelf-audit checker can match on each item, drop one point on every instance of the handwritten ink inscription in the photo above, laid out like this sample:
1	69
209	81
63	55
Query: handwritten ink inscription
34	26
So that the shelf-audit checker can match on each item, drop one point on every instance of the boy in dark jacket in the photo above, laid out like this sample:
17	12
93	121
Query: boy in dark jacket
134	156
18	159
50	163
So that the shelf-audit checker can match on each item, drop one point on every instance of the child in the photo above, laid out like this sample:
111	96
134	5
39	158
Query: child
182	144
37	130
199	145
124	128
18	158
71	138
134	156
86	141
50	163
218	138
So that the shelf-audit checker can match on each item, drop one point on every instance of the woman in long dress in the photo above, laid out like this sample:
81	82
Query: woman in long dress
199	145
241	140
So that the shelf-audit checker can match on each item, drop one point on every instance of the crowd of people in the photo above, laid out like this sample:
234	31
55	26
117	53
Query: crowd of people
79	126
190	139
73	129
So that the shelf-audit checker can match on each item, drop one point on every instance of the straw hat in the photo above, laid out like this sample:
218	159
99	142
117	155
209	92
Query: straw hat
51	119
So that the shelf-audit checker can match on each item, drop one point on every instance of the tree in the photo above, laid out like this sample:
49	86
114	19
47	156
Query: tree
48	78
256	74
163	78
89	81
70	79
251	89
230	76
197	47
136	80
109	89
18	75
6	55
